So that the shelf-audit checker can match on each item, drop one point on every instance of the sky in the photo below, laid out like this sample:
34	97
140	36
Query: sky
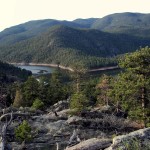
14	12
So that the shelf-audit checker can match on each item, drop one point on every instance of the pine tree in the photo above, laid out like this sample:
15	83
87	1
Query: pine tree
56	89
102	89
79	71
18	101
30	90
23	132
131	89
78	101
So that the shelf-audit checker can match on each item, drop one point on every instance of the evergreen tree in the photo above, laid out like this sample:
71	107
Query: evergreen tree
132	88
18	101
30	91
23	132
79	71
78	101
102	89
56	89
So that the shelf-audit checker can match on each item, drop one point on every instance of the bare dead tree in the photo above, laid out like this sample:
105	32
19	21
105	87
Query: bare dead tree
14	115
74	138
4	131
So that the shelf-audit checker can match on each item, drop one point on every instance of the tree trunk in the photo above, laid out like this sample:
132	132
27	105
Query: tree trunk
78	84
3	134
117	109
143	100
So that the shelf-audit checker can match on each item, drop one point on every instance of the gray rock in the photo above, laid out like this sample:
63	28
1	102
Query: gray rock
54	127
74	119
43	139
61	105
91	144
141	137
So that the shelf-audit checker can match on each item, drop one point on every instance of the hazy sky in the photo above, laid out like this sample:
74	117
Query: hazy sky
13	12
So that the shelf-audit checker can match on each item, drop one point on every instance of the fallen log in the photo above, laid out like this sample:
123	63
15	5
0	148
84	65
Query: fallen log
91	144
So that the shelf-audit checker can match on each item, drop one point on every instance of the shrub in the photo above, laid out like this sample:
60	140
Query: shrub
38	104
147	125
73	112
23	132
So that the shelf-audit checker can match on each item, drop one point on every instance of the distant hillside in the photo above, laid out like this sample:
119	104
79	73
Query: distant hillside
128	23
33	28
68	46
91	42
85	22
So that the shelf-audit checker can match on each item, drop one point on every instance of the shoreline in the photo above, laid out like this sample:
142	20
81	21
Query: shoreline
104	68
65	68
42	64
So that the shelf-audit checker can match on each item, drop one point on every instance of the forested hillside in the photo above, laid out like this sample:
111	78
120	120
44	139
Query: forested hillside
129	23
41	111
33	28
8	72
68	46
83	41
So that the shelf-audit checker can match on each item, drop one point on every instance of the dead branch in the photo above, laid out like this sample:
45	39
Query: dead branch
3	142
14	115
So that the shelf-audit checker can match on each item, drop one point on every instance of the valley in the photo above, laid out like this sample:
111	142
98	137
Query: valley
76	85
81	41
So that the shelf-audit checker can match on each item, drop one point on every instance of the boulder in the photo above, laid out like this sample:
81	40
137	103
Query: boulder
139	138
61	105
54	127
74	120
91	144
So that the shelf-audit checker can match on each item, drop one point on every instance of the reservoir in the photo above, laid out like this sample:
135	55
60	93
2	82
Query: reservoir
38	69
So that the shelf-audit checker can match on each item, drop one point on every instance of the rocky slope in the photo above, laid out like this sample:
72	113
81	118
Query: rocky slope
57	128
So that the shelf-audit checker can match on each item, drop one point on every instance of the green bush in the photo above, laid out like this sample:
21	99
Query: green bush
38	104
148	125
23	132
73	112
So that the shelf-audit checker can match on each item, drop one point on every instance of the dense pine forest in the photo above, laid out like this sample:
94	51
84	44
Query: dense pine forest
67	46
8	71
88	41
124	96
10	74
129	87
107	90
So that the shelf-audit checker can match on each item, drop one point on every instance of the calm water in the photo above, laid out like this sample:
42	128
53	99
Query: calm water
38	69
46	70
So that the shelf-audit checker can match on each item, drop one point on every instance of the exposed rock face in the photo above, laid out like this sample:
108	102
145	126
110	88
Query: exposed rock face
141	138
61	105
92	127
74	120
101	121
91	144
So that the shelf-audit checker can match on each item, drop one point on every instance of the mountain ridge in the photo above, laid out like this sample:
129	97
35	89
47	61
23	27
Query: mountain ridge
124	23
91	42
30	29
67	46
